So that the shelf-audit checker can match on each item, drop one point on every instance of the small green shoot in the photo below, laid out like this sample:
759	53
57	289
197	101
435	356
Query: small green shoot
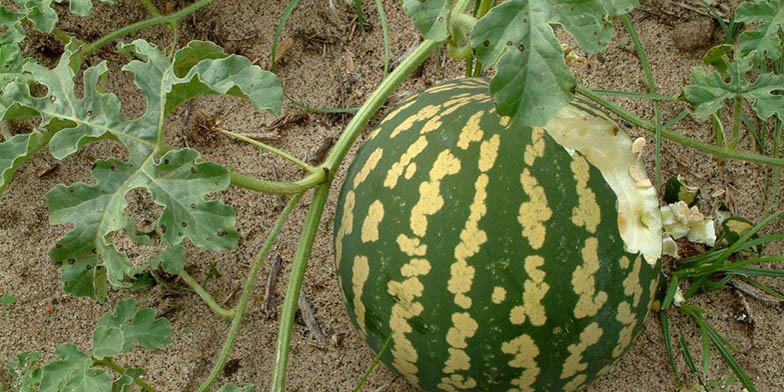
7	299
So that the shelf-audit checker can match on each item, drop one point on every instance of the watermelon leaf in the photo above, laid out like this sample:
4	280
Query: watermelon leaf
178	180
74	371
708	90
120	332
765	39
517	36
429	17
24	372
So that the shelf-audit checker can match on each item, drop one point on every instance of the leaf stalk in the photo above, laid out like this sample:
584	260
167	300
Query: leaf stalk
277	187
91	47
205	296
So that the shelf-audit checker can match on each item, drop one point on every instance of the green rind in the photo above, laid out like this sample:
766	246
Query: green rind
499	261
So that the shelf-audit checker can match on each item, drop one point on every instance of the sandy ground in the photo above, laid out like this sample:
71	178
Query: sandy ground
330	63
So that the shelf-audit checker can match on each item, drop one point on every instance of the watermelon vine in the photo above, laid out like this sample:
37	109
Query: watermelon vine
531	94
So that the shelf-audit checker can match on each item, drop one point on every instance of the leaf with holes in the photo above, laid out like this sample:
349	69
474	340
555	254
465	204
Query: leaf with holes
15	151
429	17
533	81
120	332
74	371
24	371
11	63
41	13
176	182
205	70
126	381
765	39
708	90
172	260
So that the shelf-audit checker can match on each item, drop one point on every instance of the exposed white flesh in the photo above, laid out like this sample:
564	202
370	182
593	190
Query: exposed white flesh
610	150
679	220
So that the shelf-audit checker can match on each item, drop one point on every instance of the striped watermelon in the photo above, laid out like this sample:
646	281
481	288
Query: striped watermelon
491	258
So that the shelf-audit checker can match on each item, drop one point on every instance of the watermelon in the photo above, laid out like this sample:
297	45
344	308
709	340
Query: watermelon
496	258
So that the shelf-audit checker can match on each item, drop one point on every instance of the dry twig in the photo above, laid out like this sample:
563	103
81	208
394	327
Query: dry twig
272	281
309	317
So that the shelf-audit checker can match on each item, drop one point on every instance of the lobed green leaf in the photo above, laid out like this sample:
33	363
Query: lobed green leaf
708	90
24	371
176	182
765	39
41	13
172	260
73	372
15	151
533	81
126	381
120	332
429	17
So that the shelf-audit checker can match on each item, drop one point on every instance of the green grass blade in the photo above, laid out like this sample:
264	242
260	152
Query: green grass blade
667	335
283	19
696	286
715	254
705	350
360	15
747	271
687	355
646	68
385	28
671	289
746	236
374	364
721	345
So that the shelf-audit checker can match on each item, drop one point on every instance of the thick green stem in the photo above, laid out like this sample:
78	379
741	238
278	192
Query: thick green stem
646	68
246	291
277	187
301	257
713	150
107	362
331	163
205	296
379	96
89	48
62	35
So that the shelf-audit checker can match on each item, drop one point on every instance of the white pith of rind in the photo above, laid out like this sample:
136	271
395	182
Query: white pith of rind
609	149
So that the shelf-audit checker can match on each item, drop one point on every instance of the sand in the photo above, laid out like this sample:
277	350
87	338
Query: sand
330	63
